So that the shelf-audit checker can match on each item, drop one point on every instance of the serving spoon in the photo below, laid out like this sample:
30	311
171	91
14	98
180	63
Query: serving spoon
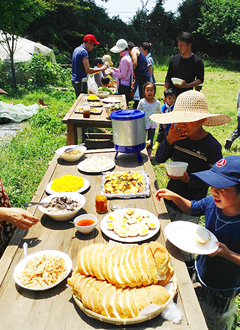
74	148
34	203
25	246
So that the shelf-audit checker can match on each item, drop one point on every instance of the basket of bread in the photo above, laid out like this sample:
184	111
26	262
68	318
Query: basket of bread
115	283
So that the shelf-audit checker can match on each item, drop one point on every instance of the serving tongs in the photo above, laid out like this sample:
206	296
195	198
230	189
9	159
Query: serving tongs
79	146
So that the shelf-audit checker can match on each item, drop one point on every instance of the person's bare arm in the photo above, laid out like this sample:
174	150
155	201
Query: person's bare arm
134	55
150	69
88	69
183	203
225	252
18	217
189	85
167	85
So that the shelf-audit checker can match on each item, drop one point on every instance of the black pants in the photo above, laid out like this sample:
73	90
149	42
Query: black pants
80	87
125	90
236	132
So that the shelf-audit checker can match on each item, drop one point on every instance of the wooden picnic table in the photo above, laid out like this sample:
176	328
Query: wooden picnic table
74	120
55	308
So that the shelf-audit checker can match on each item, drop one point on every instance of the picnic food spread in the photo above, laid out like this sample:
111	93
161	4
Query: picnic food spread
122	276
44	271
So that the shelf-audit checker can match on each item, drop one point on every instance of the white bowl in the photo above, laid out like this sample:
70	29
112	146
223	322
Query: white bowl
70	158
102	94
176	168
65	214
85	229
176	81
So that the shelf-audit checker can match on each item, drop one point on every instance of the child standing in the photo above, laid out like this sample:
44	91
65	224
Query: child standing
236	132
219	272
169	101
98	62
149	105
188	142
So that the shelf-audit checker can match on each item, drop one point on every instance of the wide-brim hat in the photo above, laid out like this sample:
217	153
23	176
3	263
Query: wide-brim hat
121	45
107	59
191	106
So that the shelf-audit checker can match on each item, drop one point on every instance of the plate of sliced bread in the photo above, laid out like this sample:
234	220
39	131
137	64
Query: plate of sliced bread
191	238
114	284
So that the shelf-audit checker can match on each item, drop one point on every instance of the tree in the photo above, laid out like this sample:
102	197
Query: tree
16	15
220	22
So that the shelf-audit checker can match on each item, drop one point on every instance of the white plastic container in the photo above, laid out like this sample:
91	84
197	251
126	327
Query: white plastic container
176	168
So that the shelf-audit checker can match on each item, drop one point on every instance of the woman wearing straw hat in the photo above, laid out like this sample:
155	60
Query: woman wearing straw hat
187	141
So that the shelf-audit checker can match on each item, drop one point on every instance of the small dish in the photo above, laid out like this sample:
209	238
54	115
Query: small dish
85	228
176	168
177	81
73	157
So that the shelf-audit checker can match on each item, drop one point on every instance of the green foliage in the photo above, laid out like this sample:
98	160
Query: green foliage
40	71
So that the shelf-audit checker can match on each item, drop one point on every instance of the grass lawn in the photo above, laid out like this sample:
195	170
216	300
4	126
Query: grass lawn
25	159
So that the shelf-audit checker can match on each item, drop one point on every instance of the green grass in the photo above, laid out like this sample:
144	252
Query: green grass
25	159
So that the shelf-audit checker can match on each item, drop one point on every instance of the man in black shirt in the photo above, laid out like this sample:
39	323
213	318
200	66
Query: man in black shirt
186	65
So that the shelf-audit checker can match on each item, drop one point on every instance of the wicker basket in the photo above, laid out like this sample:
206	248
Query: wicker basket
119	321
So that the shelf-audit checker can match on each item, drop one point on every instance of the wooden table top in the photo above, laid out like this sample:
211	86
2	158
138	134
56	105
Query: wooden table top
94	120
55	308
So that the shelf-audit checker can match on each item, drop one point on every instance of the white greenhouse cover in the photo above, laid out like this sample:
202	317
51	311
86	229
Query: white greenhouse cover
24	50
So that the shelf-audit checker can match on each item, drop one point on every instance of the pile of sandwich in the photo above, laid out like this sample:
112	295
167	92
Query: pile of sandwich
119	281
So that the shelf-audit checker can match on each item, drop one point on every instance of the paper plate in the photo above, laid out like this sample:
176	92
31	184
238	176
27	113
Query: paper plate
172	289
21	265
97	168
182	235
85	186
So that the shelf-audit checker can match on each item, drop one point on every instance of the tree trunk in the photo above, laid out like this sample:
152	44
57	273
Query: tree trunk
14	81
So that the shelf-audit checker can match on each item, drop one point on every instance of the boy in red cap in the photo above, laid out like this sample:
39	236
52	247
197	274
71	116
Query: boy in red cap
81	66
218	272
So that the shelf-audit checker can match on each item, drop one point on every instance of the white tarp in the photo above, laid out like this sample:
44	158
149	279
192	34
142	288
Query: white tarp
24	50
17	112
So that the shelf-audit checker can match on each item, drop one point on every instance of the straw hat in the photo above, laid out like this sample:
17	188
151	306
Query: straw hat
107	59
191	106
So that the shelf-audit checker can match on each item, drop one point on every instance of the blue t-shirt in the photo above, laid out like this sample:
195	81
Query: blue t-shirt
78	70
165	109
218	272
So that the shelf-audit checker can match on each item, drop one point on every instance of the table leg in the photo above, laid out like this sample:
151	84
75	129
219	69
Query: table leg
71	134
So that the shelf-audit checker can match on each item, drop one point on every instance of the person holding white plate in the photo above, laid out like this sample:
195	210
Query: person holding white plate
186	65
219	272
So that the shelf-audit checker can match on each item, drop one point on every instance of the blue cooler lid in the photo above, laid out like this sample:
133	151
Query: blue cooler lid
127	114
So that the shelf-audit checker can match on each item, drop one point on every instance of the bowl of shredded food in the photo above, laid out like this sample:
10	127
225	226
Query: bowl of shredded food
44	270
67	183
62	206
71	153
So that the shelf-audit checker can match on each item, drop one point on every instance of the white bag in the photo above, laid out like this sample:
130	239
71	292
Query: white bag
92	86
136	96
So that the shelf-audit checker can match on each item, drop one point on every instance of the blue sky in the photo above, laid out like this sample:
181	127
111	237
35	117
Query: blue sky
127	8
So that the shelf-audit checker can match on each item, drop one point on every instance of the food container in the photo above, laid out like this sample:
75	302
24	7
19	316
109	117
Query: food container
176	81
85	228
101	204
62	215
72	156
176	168
129	131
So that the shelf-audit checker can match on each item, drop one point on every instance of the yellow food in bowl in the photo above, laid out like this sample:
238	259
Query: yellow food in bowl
72	152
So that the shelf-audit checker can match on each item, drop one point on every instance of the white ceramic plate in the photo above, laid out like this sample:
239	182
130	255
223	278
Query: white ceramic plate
110	165
21	265
136	239
85	186
110	100
182	235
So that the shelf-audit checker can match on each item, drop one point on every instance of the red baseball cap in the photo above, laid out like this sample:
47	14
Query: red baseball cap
91	38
